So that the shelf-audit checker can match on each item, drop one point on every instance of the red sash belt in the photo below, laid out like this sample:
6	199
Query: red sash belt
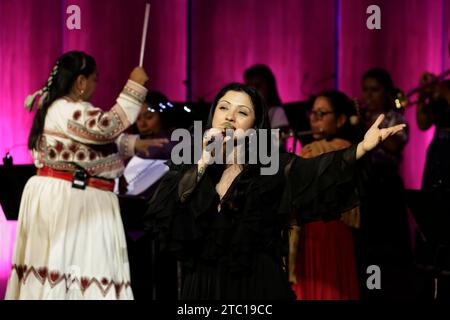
103	184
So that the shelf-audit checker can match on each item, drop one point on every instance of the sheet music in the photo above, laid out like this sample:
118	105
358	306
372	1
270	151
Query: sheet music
142	173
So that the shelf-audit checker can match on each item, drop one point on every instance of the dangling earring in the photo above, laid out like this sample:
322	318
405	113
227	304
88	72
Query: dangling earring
81	93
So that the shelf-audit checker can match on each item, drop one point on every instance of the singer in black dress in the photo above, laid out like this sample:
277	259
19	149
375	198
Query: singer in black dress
228	224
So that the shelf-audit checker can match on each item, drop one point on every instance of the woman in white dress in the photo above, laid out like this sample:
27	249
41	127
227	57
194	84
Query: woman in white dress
70	239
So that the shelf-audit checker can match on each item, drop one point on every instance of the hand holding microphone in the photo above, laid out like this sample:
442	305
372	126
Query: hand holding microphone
209	138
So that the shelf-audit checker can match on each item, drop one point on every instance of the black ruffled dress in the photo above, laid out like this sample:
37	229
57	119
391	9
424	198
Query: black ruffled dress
237	252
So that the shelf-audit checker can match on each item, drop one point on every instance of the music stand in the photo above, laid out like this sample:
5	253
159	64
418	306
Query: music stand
12	182
297	114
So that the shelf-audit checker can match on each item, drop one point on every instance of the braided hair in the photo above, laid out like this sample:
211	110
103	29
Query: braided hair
62	78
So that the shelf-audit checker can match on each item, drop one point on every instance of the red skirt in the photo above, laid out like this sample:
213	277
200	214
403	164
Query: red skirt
326	266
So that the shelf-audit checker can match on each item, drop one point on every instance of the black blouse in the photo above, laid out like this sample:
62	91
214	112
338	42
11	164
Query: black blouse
255	211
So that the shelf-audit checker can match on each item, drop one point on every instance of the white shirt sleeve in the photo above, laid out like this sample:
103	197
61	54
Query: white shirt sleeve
83	122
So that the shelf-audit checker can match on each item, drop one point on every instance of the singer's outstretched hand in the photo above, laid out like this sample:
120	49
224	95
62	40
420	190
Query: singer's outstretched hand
375	136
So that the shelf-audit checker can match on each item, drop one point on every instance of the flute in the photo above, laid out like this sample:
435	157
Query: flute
291	133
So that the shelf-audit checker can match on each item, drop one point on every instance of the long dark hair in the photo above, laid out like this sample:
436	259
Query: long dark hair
259	104
237	198
153	100
69	66
261	70
342	105
383	77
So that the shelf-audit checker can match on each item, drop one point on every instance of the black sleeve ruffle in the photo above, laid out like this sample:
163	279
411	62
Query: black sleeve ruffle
324	187
186	222
173	211
183	212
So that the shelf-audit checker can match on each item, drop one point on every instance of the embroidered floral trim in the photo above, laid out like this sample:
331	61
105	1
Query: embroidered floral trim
55	277
126	145
63	155
134	91
102	127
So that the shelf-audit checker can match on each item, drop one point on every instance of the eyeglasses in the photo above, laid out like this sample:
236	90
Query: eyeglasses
318	115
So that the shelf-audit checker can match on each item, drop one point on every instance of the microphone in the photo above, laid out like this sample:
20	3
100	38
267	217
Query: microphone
226	125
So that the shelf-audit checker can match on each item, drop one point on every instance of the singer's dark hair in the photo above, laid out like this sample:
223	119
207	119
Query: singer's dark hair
237	198
259	105
260	109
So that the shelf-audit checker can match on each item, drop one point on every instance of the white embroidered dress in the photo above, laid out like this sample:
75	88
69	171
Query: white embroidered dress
70	242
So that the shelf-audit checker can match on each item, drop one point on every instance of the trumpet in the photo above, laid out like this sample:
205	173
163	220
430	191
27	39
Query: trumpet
399	99
426	85
402	100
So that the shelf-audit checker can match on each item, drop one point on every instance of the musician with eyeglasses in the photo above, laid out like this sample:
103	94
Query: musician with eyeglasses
320	249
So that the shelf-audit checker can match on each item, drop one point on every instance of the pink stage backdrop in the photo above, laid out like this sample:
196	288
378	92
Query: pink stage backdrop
411	40
294	38
310	46
34	33
29	42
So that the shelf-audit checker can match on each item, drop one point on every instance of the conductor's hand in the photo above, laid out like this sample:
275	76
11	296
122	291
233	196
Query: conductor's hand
142	145
138	75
